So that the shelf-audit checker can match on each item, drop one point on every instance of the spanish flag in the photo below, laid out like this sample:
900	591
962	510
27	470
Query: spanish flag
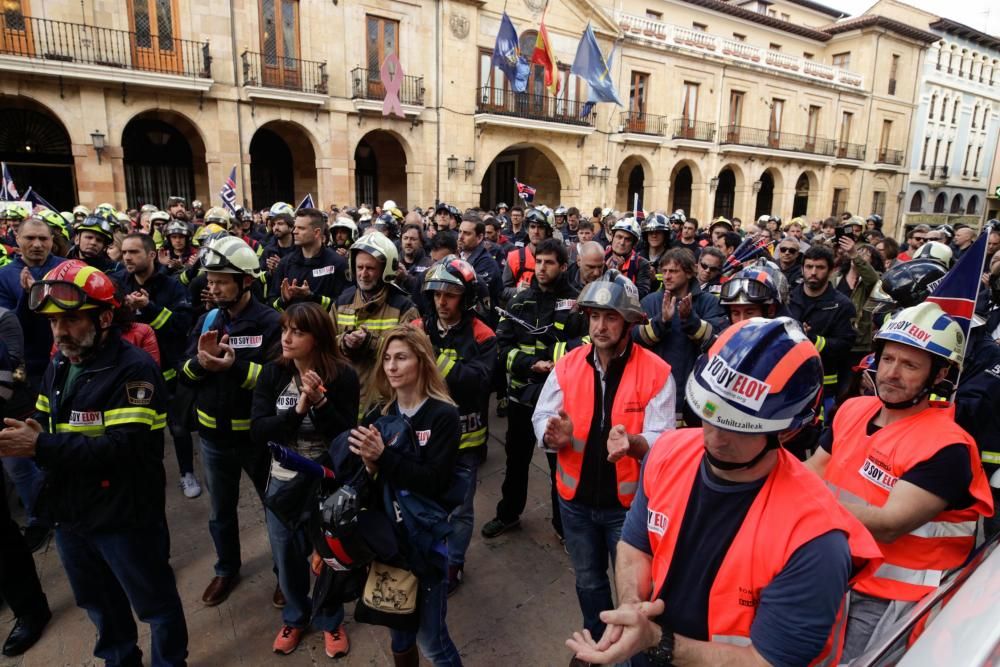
543	56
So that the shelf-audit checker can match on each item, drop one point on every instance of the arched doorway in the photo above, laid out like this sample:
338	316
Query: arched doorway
940	202
282	165
957	205
164	157
917	202
972	208
37	150
800	204
528	165
680	192
380	169
636	178
633	175
725	194
765	196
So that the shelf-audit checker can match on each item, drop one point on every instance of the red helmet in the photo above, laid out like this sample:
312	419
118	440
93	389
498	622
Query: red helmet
73	285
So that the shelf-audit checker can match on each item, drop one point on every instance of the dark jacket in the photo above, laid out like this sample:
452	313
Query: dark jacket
637	269
326	274
102	262
681	343
466	357
793	274
223	399
977	402
102	450
564	327
488	272
168	314
339	413
36	330
829	317
272	249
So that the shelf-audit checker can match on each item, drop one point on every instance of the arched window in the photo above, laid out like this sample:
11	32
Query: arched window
951	59
940	55
940	202
917	202
956	205
972	208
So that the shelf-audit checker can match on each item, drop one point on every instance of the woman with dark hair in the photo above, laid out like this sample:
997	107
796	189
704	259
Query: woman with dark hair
413	388
303	400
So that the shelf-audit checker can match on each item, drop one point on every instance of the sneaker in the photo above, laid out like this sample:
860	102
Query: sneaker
456	575
287	640
336	643
190	486
497	526
502	407
36	537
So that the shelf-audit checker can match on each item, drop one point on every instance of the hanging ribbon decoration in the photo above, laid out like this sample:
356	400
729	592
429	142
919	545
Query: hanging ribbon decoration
392	80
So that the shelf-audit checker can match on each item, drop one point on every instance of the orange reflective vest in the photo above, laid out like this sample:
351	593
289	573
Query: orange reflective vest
863	469
644	377
791	509
522	265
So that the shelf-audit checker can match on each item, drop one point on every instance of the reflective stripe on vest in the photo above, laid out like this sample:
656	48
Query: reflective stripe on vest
644	376
791	509
864	469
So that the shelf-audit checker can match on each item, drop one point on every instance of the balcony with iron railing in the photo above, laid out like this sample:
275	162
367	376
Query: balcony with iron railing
890	156
82	51
939	173
696	130
290	74
503	102
849	151
367	85
639	122
667	35
784	141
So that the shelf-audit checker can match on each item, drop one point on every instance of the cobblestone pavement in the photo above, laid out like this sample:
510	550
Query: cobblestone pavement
517	605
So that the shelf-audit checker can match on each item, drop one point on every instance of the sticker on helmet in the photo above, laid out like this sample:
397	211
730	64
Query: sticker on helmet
602	295
909	329
731	384
630	289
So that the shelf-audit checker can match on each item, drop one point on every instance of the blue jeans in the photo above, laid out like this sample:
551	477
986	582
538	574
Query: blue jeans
591	537
462	518
113	573
223	466
432	636
291	551
25	476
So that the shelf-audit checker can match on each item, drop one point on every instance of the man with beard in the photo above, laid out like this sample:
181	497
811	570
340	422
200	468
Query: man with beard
826	316
621	255
520	267
226	352
344	232
158	299
177	208
99	439
688	237
413	262
600	409
517	231
280	246
569	229
472	246
369	308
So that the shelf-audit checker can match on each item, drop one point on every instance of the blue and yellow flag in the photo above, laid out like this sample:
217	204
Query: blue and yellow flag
591	66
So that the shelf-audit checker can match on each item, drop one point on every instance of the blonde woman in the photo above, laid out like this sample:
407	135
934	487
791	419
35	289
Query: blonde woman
408	378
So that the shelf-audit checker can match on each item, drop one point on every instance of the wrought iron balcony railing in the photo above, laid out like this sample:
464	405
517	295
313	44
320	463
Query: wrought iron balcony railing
638	122
699	130
785	141
890	156
504	102
273	71
367	85
851	151
59	41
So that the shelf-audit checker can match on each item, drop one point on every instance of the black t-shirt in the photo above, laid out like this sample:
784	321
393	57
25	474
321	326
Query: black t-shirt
947	474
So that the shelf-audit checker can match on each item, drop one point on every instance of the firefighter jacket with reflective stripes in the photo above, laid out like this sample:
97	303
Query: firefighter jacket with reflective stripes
558	327
466	357
634	386
326	274
977	402
223	399
388	308
830	318
518	271
864	468
791	509
168	314
102	449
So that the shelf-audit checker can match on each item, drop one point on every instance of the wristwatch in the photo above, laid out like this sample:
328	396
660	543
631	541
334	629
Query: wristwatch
662	655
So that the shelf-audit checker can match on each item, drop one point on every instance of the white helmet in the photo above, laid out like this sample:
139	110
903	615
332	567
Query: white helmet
935	250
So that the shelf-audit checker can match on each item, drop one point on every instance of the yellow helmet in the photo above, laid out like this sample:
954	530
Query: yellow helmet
218	215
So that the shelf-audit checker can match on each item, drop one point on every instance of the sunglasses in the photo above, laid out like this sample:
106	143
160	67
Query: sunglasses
709	268
922	239
792	251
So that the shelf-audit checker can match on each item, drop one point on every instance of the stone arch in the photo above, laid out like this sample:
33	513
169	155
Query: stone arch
37	148
562	171
535	164
957	204
380	159
163	154
402	140
806	193
635	174
940	202
972	208
731	179
282	163
917	202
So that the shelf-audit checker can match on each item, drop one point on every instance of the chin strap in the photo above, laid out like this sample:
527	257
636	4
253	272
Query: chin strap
772	443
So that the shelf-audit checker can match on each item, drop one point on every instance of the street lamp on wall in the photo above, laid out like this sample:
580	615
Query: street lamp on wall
591	173
713	183
605	173
470	166
452	165
97	139
757	185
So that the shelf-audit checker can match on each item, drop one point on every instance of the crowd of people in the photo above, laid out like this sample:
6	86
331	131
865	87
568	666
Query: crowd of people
778	443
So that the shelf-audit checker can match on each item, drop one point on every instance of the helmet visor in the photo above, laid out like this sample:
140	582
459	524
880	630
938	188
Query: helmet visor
98	222
754	291
214	260
64	295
